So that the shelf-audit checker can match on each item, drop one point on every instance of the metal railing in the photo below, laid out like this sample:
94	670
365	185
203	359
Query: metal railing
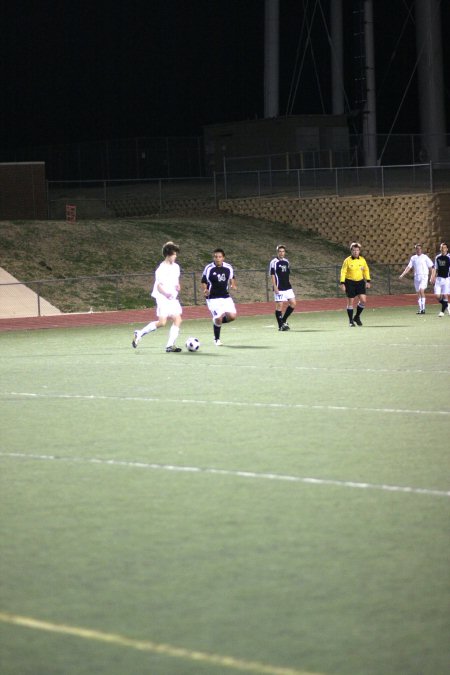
111	198
114	292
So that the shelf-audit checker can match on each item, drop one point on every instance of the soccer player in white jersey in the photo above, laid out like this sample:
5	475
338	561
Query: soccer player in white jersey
421	264
283	292
165	291
440	276
217	279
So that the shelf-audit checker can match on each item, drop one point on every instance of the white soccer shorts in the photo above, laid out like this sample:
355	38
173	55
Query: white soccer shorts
166	307
421	282
442	286
221	306
284	296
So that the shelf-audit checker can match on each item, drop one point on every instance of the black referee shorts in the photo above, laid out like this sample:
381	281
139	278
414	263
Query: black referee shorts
354	288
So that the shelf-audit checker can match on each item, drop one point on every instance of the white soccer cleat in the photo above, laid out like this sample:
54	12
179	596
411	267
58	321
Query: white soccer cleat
441	314
217	343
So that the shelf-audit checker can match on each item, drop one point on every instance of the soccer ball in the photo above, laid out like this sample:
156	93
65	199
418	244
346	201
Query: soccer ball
193	344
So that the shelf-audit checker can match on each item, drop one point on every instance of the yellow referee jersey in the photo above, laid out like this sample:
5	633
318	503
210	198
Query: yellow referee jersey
354	269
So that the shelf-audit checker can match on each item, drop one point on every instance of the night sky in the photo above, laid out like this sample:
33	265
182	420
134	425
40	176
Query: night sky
77	71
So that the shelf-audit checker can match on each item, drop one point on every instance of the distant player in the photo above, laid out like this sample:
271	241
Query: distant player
165	291
421	264
355	277
283	292
217	279
440	276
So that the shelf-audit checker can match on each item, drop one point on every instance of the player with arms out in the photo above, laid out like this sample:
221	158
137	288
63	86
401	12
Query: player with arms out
165	291
282	290
355	277
421	264
440	277
217	279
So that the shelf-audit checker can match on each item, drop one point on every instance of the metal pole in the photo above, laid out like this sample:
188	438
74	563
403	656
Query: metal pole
195	287
38	293
370	111
225	177
215	188
271	58
430	76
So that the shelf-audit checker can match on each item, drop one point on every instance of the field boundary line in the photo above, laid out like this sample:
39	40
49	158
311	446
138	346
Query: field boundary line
149	646
241	404
231	472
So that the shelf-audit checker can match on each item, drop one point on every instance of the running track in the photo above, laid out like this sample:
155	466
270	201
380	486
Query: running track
197	312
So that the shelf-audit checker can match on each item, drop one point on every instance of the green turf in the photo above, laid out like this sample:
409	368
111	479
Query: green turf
237	555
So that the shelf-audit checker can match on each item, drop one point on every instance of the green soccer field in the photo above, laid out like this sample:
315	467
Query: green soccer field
276	505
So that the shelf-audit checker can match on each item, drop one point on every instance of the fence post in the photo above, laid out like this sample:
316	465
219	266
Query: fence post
215	188
382	180
194	280
38	293
117	293
431	177
225	187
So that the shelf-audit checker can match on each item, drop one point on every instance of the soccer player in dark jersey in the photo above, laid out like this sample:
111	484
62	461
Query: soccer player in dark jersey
283	292
217	279
440	276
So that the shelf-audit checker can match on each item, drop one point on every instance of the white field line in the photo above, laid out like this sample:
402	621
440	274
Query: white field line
326	369
228	472
239	404
150	646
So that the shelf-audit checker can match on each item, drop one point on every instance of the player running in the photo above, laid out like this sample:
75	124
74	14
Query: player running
440	277
283	293
165	291
217	279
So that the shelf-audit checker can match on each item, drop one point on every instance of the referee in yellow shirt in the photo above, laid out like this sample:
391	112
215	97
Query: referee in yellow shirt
355	278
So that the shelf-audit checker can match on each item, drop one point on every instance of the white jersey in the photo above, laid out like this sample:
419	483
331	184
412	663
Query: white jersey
168	276
420	264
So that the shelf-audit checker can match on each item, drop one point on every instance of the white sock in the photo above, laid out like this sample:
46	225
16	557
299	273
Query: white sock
149	328
173	334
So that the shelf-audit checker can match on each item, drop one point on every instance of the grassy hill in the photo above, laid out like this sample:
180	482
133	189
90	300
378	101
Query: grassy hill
65	257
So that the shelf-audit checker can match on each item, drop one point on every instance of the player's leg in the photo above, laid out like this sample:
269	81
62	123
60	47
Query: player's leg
289	309
173	334
442	298
421	299
351	294
359	308
149	328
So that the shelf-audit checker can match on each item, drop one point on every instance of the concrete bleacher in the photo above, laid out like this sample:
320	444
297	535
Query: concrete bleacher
17	300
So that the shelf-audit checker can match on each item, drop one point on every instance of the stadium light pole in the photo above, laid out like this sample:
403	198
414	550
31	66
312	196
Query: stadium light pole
271	58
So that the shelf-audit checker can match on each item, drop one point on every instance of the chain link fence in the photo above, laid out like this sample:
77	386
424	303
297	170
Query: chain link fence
117	198
132	291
